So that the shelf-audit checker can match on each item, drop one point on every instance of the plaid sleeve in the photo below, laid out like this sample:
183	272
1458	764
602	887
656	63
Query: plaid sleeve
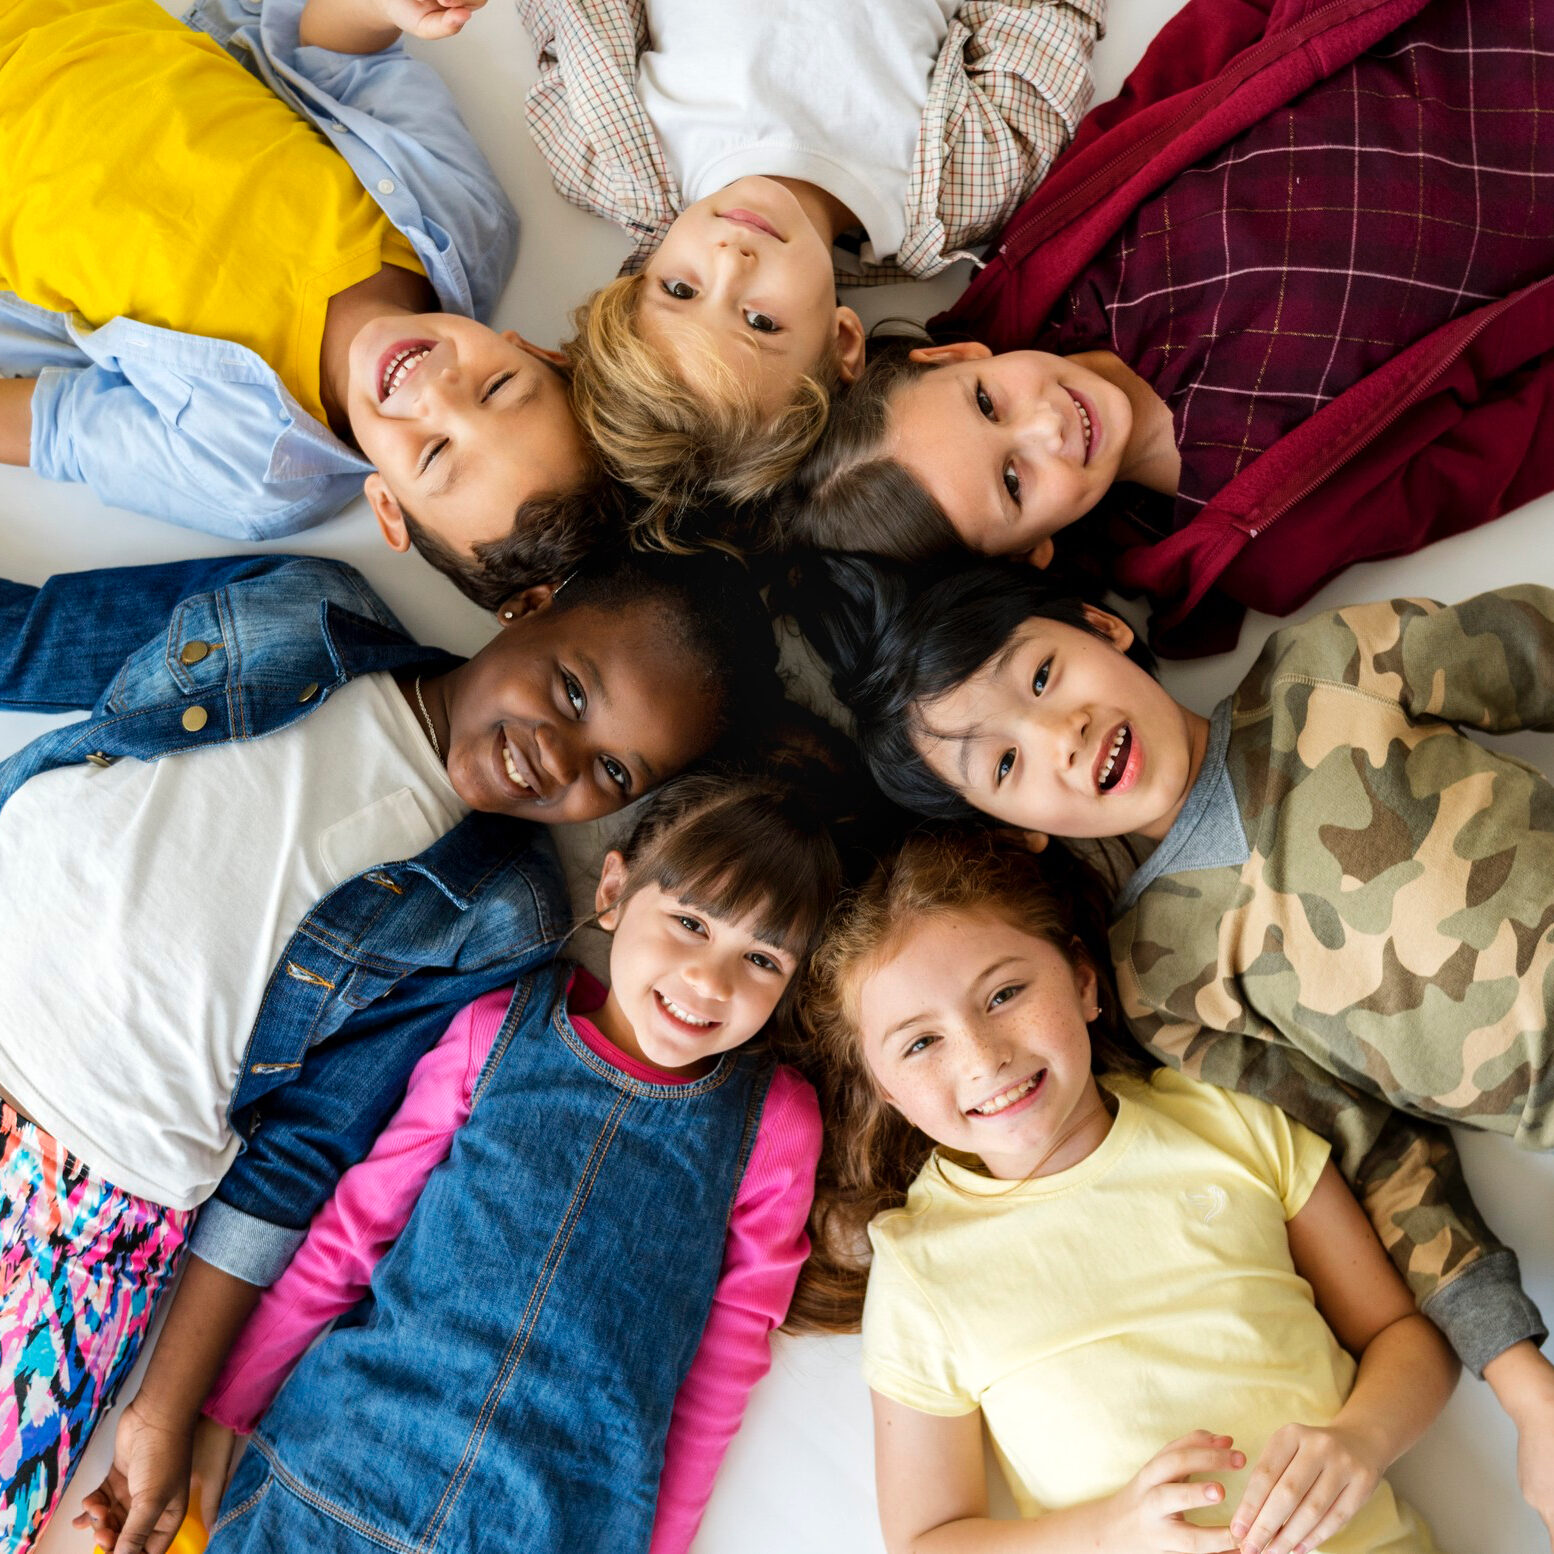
1406	1174
586	119
1009	88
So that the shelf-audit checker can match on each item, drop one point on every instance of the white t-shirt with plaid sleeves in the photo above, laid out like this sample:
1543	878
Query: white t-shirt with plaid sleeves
1098	1314
1001	100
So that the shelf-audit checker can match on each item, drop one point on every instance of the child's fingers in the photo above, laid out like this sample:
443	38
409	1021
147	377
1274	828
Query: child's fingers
1188	1539
1292	1487
1338	1515
1200	1452
1174	1498
442	23
1313	1507
1269	1468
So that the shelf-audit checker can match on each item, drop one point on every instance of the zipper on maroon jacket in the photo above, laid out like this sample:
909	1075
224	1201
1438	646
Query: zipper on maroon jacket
1262	525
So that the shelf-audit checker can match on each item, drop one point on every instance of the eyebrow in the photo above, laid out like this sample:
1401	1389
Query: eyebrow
901	1025
454	467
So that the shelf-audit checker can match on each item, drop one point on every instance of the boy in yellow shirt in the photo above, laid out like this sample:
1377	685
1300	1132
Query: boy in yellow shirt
260	286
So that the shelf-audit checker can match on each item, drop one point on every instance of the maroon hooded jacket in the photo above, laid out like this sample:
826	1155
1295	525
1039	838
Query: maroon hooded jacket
1451	432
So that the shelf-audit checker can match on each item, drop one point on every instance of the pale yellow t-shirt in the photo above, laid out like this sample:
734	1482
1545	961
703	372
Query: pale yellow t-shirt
1098	1314
150	176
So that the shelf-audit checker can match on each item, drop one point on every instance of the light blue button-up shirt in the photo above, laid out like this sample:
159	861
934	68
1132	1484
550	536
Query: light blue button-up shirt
202	432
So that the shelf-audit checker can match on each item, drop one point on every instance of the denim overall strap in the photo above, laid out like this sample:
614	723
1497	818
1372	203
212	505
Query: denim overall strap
509	1381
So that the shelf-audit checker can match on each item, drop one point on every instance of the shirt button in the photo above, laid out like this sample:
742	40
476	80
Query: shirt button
195	718
193	652
385	186
337	126
309	691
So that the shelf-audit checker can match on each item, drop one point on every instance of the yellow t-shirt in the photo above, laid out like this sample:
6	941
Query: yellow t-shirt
1098	1314
150	176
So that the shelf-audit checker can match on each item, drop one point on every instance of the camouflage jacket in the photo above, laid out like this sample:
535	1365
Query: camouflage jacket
1388	925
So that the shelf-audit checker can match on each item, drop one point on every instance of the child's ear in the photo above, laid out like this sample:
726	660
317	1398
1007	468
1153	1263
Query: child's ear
851	344
612	885
555	358
1113	627
536	596
1086	981
954	351
1040	554
386	509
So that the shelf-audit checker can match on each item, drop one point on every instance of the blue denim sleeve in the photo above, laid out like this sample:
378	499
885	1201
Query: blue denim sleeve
61	645
197	451
303	1136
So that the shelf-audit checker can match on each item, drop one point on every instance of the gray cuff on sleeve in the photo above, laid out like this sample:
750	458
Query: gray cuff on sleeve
1484	1310
249	1249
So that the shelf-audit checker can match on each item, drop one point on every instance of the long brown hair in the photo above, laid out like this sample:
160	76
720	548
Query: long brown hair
872	1154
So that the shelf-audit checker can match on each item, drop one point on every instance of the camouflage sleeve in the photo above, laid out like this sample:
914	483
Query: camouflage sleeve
1487	662
1408	1176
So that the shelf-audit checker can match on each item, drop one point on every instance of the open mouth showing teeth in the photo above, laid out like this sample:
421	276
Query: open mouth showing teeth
1006	1098
684	1015
399	367
513	774
1084	423
1116	762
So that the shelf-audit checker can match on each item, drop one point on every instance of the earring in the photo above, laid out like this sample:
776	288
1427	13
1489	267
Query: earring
1093	1014
507	615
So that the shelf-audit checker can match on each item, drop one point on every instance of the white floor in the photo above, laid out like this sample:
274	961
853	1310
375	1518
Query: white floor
798	1480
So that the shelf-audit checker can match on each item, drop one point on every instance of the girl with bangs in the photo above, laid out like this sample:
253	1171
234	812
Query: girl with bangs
556	1273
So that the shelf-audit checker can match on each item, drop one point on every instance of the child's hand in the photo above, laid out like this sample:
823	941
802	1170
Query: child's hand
1306	1485
1147	1516
215	1451
139	1507
1523	1380
430	19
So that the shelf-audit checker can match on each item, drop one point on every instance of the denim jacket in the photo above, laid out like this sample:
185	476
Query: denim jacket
177	657
200	431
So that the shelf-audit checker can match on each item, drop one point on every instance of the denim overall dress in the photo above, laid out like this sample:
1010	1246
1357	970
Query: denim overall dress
507	1384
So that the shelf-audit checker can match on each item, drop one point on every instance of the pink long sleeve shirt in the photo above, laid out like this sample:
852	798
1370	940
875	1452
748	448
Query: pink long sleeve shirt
765	1248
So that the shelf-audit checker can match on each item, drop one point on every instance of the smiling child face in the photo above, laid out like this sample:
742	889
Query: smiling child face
568	714
463	424
687	984
745	274
975	1031
1060	732
1012	447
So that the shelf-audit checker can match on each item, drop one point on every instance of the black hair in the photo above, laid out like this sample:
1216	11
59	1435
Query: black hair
849	494
550	536
710	610
895	637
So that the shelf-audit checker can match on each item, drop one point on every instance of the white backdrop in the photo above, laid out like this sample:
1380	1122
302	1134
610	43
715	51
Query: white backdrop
798	1479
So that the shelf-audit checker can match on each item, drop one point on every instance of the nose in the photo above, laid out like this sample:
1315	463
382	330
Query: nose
439	387
732	262
708	976
1072	733
987	1054
556	754
1040	428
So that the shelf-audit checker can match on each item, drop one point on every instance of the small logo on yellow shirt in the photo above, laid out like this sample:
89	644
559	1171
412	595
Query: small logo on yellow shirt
1207	1203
